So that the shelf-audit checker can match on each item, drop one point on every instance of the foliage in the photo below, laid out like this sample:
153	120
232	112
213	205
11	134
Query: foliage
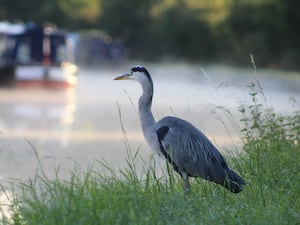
86	10
272	144
268	30
129	20
27	11
185	34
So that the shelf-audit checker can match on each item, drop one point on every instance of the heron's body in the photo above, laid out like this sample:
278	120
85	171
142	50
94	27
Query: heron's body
183	145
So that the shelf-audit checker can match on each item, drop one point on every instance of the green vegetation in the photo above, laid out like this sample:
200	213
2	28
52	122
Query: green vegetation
207	30
269	164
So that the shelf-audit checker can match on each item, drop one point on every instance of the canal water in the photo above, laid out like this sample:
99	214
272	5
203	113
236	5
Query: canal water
57	131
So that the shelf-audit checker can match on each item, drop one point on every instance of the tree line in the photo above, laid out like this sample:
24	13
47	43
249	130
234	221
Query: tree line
203	31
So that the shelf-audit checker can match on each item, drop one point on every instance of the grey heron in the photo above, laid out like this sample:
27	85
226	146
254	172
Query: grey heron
185	147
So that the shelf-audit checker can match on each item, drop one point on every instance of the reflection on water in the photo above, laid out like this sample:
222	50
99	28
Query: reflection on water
77	126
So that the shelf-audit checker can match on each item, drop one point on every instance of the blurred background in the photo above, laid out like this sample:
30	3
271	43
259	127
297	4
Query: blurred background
59	105
207	30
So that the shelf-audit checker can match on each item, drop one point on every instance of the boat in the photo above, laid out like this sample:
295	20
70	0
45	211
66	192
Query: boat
35	55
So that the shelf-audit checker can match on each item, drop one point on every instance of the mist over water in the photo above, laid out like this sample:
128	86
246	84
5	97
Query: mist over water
76	127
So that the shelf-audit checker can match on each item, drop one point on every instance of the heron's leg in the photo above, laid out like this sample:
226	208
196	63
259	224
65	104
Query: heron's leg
186	183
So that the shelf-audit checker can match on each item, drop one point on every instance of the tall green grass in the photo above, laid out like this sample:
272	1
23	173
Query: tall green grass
270	163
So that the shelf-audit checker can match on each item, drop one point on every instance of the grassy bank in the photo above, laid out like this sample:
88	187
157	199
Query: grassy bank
269	164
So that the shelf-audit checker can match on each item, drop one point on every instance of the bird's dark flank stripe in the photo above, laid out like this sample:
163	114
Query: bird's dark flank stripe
161	133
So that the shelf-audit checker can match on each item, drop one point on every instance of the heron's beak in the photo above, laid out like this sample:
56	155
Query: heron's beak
126	76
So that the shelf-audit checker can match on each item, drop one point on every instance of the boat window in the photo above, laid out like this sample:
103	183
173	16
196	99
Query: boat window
6	47
58	49
61	53
23	51
2	46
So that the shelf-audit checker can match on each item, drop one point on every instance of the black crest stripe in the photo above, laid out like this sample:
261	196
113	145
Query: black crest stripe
142	69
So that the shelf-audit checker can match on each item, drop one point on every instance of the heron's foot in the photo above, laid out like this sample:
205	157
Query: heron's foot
187	190
186	184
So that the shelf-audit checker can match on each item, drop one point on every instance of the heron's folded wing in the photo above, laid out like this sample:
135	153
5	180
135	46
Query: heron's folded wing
190	150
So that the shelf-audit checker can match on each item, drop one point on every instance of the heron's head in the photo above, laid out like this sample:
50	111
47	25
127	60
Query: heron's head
137	73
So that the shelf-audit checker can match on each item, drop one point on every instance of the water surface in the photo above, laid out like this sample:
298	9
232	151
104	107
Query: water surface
76	127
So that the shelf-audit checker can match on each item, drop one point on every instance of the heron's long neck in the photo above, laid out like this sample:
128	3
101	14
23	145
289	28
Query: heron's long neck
145	102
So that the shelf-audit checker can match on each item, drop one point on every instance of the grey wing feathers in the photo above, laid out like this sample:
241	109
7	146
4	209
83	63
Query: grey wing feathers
190	150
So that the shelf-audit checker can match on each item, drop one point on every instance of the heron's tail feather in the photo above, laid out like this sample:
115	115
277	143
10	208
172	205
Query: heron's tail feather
233	182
